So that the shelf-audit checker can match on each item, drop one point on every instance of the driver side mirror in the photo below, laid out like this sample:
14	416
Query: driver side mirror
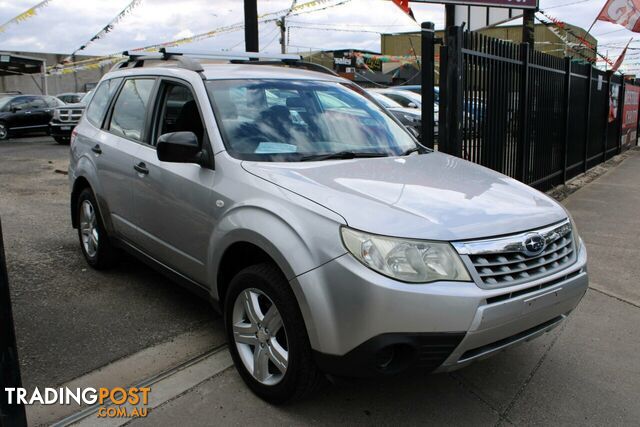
180	147
16	108
412	105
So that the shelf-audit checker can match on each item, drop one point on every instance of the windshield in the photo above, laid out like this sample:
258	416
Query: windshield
386	102
412	96
290	120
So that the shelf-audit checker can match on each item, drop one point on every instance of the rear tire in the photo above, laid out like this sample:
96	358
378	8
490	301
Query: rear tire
288	371
94	240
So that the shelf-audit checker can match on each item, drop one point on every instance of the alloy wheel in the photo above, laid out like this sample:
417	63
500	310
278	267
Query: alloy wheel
3	131
260	336
89	228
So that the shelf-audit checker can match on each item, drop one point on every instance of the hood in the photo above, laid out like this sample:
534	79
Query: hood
430	196
410	111
75	106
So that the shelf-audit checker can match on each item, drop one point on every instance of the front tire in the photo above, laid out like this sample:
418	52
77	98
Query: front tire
94	241
267	336
4	132
62	140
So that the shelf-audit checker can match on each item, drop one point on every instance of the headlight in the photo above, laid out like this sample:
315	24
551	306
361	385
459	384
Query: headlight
56	114
574	231
414	261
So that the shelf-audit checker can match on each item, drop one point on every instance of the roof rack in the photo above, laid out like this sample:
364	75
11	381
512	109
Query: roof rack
188	60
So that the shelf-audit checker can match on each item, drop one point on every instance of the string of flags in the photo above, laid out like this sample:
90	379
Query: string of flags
107	28
96	63
581	41
29	13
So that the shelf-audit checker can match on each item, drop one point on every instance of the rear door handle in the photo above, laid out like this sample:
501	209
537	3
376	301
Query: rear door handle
141	168
96	149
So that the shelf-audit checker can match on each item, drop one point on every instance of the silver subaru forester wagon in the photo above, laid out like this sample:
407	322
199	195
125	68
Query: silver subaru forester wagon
332	241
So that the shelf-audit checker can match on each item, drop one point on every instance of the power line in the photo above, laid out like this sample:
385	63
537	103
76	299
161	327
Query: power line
334	29
565	4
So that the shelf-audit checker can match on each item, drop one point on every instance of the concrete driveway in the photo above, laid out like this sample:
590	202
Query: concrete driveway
71	320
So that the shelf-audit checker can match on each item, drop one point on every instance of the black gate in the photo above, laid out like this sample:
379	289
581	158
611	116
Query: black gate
536	117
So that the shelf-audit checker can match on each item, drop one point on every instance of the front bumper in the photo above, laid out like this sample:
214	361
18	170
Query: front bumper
359	321
61	129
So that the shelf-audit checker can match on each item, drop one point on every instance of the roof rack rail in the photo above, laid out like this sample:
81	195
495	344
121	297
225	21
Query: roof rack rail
188	60
138	60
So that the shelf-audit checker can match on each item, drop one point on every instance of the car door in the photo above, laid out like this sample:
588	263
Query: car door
19	119
112	153
174	202
39	112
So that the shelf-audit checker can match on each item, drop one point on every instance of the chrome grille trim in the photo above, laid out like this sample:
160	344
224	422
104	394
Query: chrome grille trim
70	115
503	261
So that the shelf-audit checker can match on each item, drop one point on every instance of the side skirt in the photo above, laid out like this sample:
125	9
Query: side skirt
192	286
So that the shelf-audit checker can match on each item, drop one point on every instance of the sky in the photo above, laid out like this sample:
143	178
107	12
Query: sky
64	25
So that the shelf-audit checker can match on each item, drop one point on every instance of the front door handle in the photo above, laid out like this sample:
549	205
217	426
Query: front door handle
141	168
96	149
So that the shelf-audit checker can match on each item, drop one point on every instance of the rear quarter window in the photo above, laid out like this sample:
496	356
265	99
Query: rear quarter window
98	106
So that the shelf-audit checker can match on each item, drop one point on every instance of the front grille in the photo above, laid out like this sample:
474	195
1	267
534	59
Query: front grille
72	116
505	261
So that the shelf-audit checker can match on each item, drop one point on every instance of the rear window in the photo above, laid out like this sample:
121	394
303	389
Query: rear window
100	101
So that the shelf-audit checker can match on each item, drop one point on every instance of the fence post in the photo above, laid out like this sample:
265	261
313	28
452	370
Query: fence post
606	117
523	97
443	107
587	135
621	94
426	68
453	83
567	105
14	414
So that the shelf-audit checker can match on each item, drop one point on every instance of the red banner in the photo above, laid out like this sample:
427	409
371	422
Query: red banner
404	5
622	12
630	115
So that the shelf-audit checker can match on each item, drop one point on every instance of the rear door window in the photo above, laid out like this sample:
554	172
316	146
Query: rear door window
37	103
130	110
100	101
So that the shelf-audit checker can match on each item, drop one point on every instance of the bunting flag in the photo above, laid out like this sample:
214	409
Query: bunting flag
93	63
29	13
618	62
107	27
404	5
622	12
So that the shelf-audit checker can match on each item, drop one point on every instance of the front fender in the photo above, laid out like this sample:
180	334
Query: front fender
299	239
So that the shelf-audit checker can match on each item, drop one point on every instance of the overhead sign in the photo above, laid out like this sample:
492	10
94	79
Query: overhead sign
512	4
478	17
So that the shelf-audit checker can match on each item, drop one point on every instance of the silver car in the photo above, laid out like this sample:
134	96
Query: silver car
331	241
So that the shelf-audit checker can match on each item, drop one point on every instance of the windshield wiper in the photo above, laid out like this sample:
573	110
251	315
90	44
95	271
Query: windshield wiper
342	155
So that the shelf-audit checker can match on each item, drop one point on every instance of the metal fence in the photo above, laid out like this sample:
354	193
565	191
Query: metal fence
538	118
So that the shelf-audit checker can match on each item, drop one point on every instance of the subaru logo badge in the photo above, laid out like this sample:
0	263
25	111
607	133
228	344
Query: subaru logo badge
533	245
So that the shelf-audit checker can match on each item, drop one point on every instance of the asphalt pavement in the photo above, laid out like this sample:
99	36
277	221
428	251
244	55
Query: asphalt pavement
71	320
